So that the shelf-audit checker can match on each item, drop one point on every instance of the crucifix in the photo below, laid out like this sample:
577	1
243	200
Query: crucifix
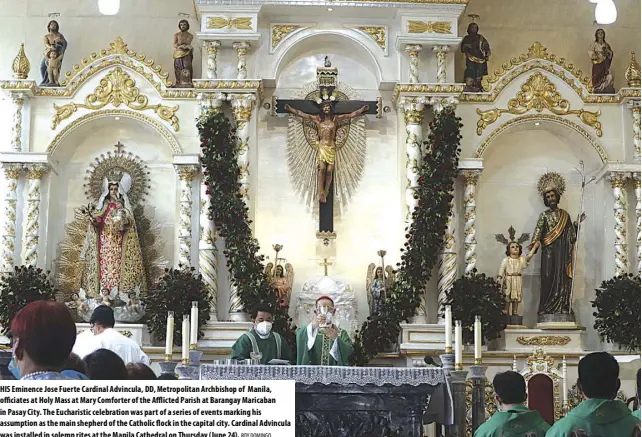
325	265
119	147
325	116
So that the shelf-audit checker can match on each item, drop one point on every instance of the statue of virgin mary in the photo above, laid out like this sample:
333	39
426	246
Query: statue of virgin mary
112	254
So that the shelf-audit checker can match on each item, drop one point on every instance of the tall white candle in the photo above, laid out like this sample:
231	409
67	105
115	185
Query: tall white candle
193	336
458	346
478	340
448	325
185	344
169	336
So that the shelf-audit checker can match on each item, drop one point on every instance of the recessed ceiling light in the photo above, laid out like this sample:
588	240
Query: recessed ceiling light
537	123
330	9
116	118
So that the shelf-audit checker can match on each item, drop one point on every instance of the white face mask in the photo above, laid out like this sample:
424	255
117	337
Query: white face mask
263	328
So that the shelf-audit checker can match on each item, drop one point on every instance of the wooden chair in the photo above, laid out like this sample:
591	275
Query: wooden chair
545	385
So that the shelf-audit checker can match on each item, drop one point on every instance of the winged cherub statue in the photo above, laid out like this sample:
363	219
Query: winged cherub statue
510	270
281	280
378	282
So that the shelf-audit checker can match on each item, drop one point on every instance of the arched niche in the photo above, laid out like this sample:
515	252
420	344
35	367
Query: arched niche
515	158
348	51
72	155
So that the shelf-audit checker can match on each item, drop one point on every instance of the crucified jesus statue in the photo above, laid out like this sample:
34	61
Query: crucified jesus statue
326	123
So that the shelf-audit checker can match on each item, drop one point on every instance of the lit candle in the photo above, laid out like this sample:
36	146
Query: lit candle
478	340
186	339
449	329
458	346
193	336
169	336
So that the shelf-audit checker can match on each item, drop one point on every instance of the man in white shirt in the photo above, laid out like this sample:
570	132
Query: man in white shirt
106	337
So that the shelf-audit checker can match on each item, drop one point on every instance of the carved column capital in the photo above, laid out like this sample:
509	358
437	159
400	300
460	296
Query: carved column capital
211	46
471	176
36	171
618	179
413	110
634	106
636	180
242	106
439	103
187	172
413	49
441	50
241	47
12	170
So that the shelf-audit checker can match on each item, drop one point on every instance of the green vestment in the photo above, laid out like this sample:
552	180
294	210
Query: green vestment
514	422
596	417
636	413
322	350
272	347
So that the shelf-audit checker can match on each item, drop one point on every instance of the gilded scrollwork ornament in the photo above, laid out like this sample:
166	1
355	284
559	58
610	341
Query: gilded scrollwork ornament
539	93
117	88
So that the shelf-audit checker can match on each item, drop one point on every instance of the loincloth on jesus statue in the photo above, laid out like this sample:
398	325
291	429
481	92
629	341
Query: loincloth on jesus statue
326	153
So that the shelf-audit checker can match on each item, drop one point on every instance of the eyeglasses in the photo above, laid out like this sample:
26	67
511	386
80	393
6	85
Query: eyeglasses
92	329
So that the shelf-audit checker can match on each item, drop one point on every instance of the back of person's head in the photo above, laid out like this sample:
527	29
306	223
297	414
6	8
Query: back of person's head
140	372
510	388
167	377
74	362
45	331
599	376
103	316
105	365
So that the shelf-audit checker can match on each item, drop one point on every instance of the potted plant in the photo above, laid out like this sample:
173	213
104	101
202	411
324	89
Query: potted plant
617	311
476	294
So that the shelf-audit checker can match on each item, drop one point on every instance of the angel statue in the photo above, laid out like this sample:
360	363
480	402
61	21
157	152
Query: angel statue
510	273
112	254
377	283
280	281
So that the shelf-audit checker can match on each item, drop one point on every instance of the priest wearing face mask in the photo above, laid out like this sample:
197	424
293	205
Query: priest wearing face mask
261	339
322	343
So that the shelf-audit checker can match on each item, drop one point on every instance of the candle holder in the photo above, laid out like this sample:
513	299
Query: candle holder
168	367
478	396
458	385
192	347
448	350
168	357
189	373
459	366
195	357
478	361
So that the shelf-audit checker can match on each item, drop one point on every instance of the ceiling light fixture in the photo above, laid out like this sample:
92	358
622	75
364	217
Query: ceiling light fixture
109	7
116	118
537	123
330	9
605	12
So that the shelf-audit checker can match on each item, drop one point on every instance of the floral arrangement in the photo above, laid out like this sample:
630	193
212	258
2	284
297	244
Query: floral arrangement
175	291
617	311
219	151
473	295
23	285
424	239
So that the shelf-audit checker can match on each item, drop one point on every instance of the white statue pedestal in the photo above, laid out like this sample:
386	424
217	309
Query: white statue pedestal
222	335
137	332
420	337
551	340
341	293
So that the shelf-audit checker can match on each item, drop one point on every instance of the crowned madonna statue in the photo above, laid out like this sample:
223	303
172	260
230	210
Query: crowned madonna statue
340	292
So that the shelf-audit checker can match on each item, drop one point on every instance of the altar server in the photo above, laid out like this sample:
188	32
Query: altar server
513	418
102	323
261	339
322	342
599	413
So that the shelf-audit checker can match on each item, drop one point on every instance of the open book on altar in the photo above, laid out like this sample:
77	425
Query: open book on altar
275	362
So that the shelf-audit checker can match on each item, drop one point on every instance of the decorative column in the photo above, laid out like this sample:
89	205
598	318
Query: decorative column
470	213
185	174
212	51
207	253
441	52
12	173
635	111
618	183
413	55
638	220
447	266
241	48
242	106
413	114
18	100
31	230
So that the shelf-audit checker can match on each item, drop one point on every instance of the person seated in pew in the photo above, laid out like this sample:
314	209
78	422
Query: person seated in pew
321	342
599	414
261	339
513	418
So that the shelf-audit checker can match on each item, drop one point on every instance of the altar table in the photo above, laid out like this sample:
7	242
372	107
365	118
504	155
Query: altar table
355	401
